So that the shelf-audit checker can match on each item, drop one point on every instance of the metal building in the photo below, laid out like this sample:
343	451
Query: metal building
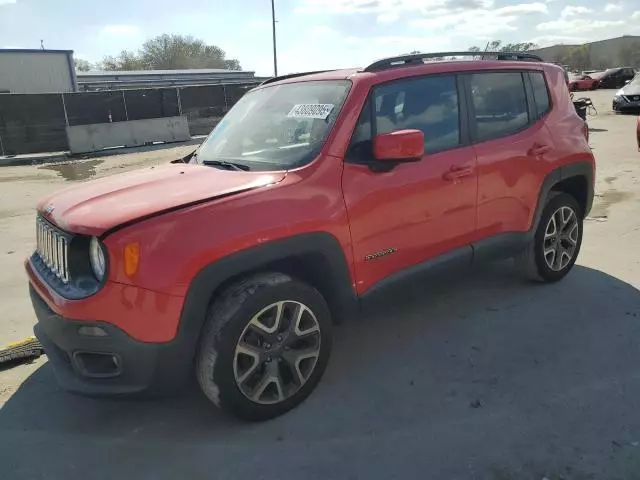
602	53
37	71
115	80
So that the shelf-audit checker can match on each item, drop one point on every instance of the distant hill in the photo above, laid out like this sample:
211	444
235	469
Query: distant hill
614	52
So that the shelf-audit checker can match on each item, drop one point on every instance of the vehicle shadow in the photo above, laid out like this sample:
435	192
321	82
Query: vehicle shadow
436	354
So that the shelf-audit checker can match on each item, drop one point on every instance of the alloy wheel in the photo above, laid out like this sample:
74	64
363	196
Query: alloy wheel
277	352
561	238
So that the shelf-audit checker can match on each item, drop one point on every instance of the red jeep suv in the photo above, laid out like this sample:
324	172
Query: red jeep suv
313	193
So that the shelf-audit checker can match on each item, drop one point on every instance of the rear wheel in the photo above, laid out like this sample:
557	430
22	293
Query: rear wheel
265	346
556	243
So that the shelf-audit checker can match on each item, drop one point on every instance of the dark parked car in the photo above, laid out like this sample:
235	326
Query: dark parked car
615	77
627	99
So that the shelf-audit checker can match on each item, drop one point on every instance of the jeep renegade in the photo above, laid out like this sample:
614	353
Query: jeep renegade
314	192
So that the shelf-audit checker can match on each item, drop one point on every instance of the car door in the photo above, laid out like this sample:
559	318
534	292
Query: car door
511	141
413	212
628	75
616	79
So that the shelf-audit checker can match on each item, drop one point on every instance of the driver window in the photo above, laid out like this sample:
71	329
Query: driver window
429	104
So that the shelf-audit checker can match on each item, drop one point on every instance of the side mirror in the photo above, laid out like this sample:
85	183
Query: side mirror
399	146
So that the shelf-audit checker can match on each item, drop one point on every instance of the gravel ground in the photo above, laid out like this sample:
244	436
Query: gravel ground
479	377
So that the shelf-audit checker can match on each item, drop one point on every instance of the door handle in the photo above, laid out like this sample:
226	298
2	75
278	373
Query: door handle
454	173
538	149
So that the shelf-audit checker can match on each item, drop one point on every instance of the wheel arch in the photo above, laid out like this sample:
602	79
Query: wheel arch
576	179
316	258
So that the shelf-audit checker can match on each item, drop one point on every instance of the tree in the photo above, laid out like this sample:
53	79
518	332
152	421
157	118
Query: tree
498	46
519	47
577	58
81	65
126	60
171	52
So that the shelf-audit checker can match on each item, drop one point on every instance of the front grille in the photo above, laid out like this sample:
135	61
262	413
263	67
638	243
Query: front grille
53	249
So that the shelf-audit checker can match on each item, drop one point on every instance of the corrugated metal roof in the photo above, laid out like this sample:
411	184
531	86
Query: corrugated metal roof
193	71
33	50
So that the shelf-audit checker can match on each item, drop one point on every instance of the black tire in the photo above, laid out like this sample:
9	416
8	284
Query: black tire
227	319
531	262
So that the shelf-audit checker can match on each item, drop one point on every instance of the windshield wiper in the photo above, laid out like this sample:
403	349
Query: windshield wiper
227	165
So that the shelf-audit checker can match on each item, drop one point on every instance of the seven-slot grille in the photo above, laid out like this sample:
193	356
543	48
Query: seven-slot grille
52	248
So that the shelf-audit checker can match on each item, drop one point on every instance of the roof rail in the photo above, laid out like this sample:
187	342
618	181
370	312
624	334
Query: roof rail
418	58
291	75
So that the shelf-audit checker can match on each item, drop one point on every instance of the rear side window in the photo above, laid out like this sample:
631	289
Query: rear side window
500	104
429	104
540	93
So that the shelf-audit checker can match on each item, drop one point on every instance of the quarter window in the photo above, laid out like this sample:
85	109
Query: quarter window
360	147
540	93
500	104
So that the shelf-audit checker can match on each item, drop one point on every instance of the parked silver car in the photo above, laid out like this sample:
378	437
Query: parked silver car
627	99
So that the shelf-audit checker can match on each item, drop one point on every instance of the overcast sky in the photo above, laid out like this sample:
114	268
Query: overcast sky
312	34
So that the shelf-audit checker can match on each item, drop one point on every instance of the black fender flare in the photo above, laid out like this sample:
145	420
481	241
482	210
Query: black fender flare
577	169
323	250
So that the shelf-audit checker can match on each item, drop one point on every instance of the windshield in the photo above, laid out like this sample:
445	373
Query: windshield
276	128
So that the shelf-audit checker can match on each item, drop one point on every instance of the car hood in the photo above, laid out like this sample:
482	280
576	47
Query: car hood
96	206
631	89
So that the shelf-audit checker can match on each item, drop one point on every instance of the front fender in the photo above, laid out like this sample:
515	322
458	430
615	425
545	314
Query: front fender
317	250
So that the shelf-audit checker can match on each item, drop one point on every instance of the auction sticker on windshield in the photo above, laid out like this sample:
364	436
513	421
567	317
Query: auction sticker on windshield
311	110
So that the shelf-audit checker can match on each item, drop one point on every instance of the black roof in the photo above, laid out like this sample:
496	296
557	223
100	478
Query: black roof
417	58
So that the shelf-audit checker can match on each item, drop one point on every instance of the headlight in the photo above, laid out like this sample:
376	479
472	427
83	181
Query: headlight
96	256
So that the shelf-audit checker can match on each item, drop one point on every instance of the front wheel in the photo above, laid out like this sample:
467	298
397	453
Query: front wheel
556	243
265	346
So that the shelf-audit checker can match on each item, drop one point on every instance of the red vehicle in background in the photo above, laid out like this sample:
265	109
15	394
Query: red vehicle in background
583	82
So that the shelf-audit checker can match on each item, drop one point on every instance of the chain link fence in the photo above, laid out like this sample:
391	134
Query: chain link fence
37	123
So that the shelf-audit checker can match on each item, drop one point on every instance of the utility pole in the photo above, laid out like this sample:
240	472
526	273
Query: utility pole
275	49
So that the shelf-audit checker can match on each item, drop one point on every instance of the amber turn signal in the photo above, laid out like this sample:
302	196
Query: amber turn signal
131	258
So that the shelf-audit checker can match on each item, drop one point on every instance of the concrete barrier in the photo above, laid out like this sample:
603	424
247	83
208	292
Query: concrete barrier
133	133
